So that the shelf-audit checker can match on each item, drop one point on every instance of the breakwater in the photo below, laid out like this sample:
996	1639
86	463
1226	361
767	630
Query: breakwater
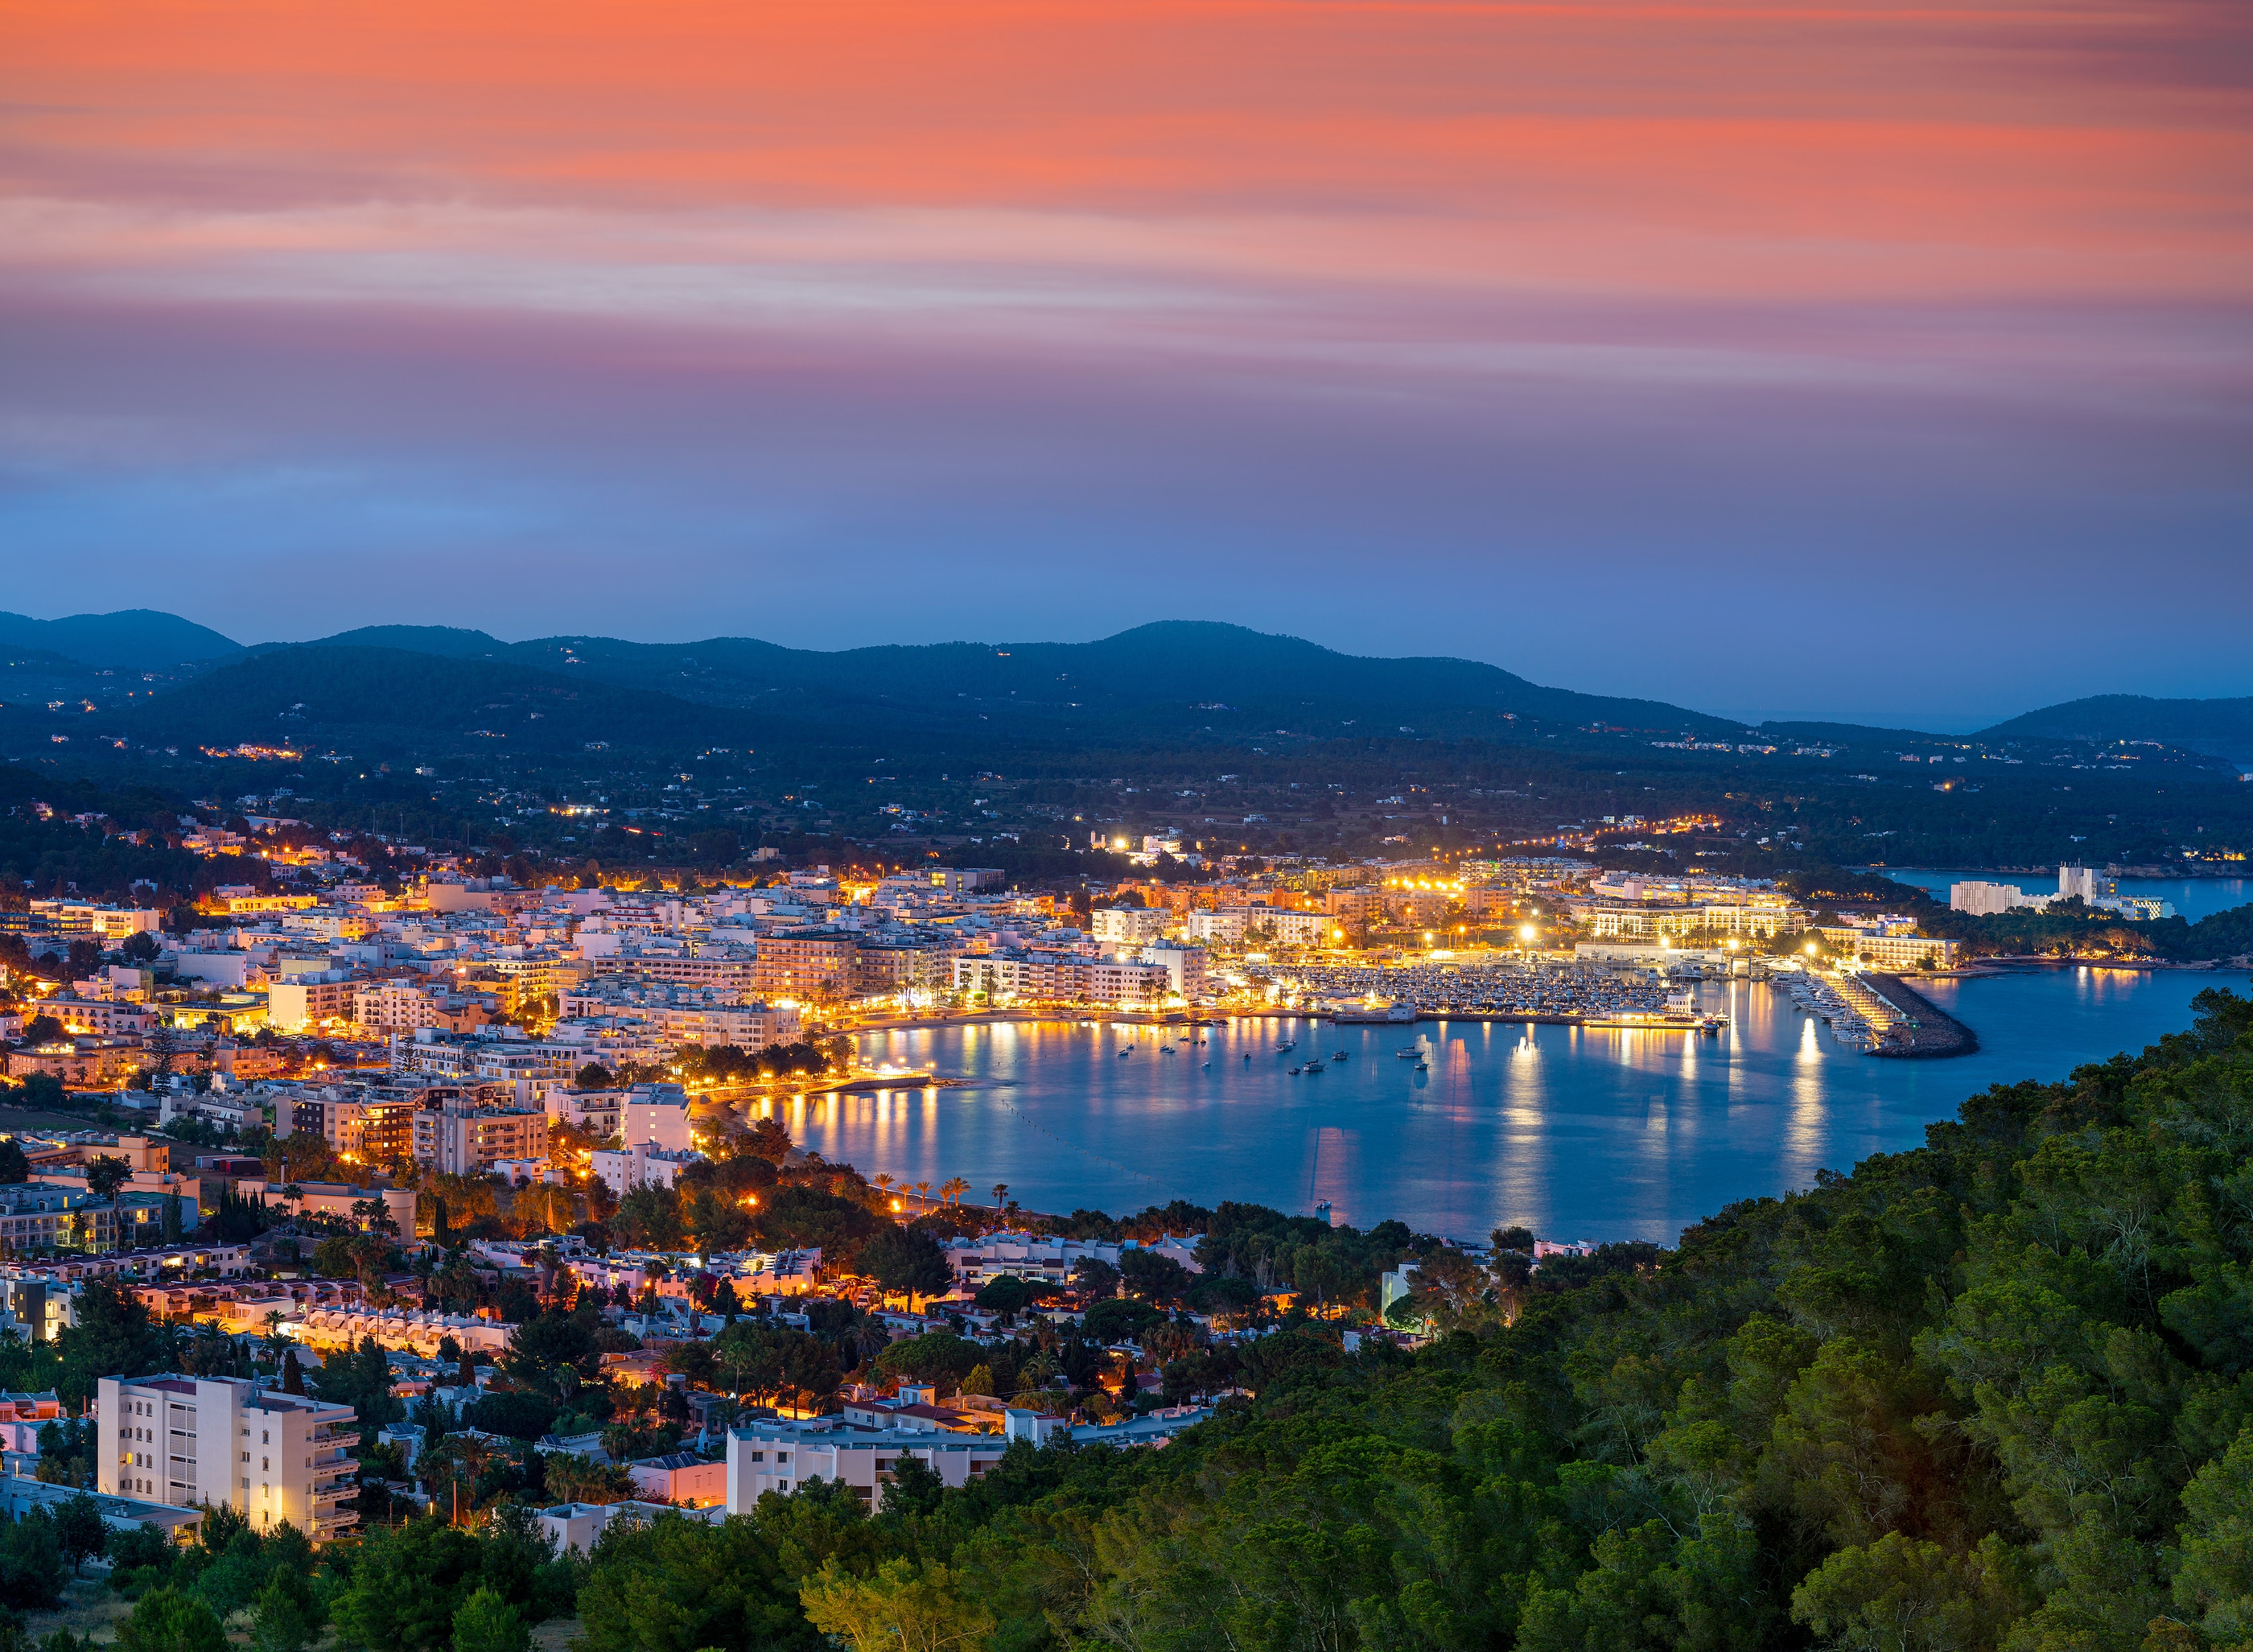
1920	1028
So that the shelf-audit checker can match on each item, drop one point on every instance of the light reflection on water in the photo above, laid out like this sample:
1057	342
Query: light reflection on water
1577	1133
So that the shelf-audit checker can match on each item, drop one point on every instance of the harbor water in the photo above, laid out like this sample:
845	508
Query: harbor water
1577	1133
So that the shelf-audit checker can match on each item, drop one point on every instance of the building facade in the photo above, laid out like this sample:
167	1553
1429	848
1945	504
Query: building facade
229	1442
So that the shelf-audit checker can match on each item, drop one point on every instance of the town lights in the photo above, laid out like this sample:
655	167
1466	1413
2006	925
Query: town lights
1525	932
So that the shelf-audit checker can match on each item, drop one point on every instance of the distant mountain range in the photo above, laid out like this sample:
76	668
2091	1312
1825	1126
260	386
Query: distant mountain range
138	638
1172	682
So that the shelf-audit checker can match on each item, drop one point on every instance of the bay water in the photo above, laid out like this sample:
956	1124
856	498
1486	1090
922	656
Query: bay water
1577	1133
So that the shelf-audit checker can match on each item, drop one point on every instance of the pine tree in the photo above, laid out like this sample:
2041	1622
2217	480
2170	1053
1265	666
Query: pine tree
293	1375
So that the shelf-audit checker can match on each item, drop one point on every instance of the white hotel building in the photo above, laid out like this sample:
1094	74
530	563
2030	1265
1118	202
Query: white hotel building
227	1441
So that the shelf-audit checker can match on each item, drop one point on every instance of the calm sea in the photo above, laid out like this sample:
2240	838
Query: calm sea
1578	1134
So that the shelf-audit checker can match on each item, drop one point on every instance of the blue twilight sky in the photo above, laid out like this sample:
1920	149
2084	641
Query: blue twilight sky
1892	365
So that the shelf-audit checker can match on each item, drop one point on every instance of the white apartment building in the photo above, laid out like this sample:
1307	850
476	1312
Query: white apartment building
1646	923
1892	951
310	1001
229	1441
601	1112
1124	983
656	1116
1030	1256
1982	899
1235	926
1129	925
1185	966
726	971
684	1016
107	1017
781	1455
641	1165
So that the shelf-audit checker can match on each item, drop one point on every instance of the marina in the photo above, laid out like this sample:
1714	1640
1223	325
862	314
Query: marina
1579	1132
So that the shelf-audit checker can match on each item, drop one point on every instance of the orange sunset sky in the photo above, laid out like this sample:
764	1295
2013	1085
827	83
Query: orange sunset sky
1410	328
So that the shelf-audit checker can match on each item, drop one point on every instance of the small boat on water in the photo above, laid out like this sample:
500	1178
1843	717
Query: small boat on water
1165	1050
1286	1045
1295	1071
1337	1055
1423	1066
1127	1052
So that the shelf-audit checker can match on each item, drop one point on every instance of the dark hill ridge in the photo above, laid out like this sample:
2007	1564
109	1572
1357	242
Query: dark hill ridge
1167	679
377	700
2223	728
134	639
1170	681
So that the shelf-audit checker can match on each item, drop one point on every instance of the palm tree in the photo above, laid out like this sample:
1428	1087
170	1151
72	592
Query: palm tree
883	1184
952	1189
922	1191
1000	1196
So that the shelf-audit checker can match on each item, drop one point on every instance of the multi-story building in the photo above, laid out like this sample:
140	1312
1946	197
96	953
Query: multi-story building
1237	926
726	971
1753	921
227	1442
1030	1255
104	923
882	968
38	1216
467	1141
317	999
816	964
656	1116
684	1016
107	1018
1892	951
641	1165
602	1111
781	1455
404	1007
1129	925
1184	966
1124	983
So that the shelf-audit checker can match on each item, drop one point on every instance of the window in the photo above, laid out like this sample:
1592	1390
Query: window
781	1456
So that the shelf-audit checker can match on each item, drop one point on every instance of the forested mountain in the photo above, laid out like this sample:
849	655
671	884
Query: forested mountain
135	639
2221	727
1164	681
1167	682
378	702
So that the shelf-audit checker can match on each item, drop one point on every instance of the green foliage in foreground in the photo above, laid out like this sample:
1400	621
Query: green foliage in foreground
1992	1393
